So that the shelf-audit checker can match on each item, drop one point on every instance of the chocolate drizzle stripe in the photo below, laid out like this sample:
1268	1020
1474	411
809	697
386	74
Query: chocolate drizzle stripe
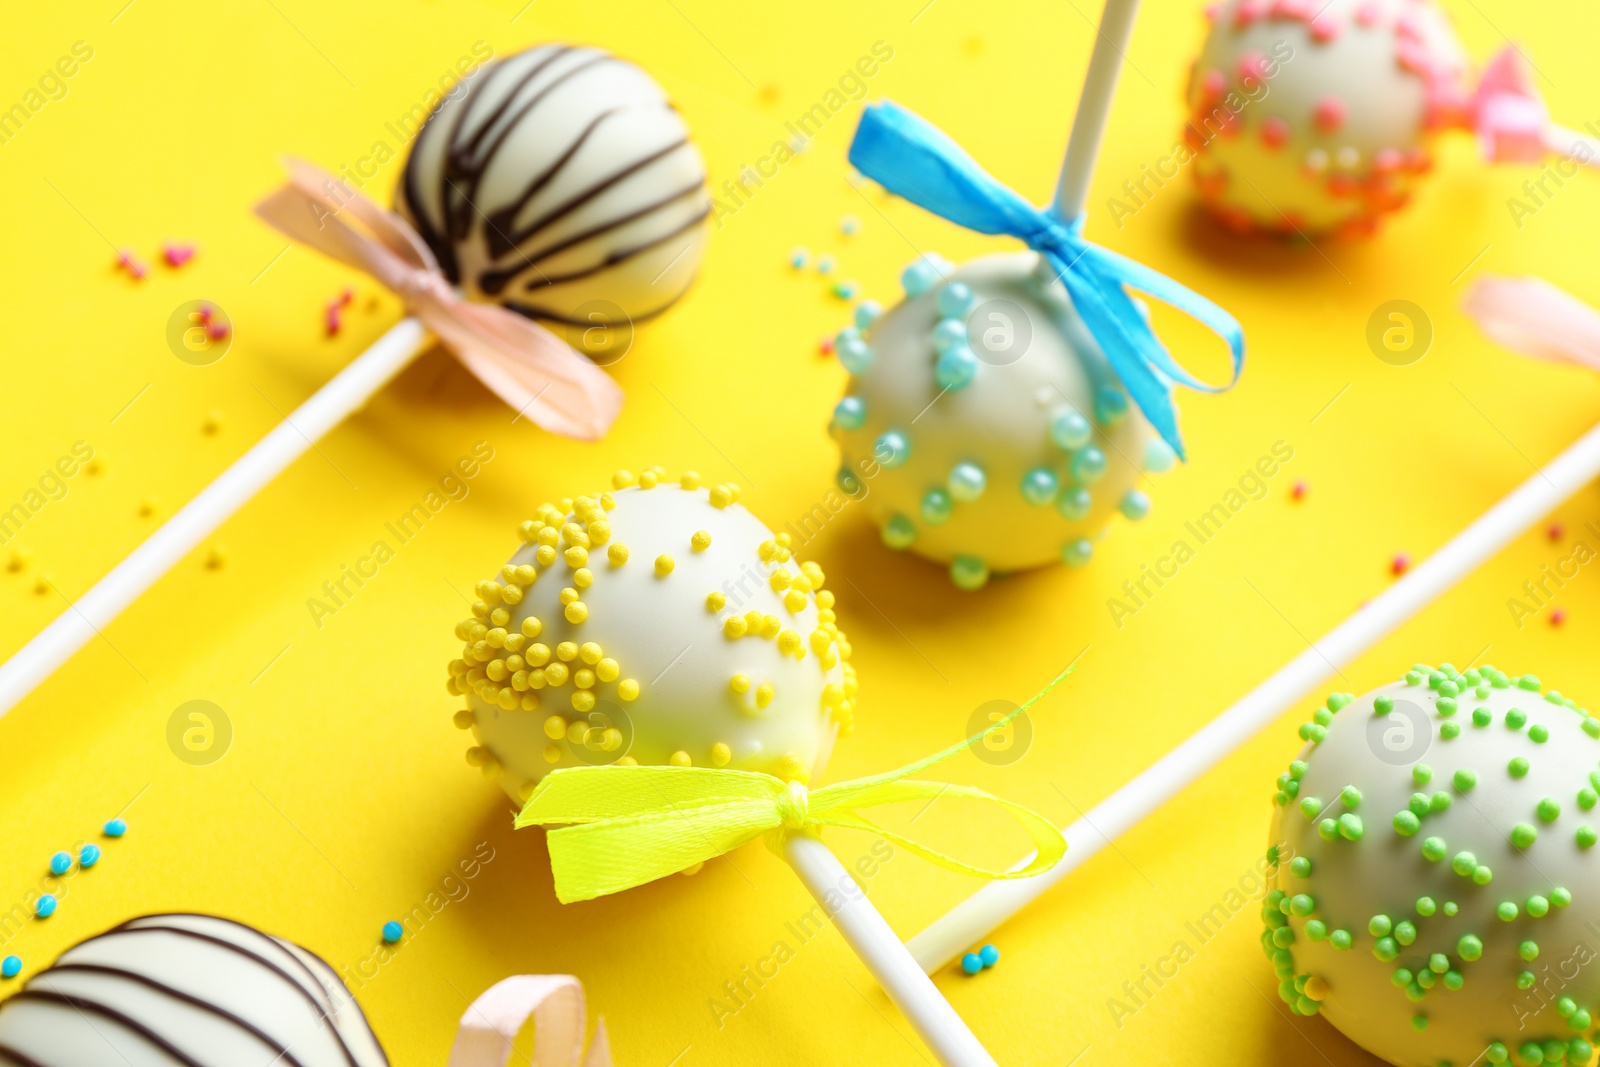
576	201
323	1009
498	243
619	256
86	1007
9	1053
612	224
282	1053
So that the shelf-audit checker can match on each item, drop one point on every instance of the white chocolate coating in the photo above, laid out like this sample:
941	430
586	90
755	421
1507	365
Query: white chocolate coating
658	636
1035	360
179	990
1403	762
1308	126
560	182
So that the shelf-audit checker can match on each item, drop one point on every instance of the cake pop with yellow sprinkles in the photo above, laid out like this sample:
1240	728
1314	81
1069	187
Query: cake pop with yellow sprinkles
657	623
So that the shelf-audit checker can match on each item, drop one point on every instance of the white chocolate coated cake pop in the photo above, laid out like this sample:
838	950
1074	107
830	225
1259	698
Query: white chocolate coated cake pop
984	425
186	991
657	623
561	182
1311	116
1436	894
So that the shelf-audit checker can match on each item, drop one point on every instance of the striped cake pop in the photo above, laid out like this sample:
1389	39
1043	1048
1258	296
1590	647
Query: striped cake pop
1435	887
983	426
657	623
186	991
1311	116
561	182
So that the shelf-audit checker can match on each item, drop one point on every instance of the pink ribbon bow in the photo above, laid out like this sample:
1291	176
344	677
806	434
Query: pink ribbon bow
555	1001
526	365
1508	113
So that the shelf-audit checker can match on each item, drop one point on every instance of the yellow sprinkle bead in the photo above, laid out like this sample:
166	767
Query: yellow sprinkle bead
590	652
573	535
583	577
664	565
489	592
538	654
648	479
583	678
607	501
528	530
794	600
529	702
476	756
739	683
568	595
555	727
689	480
623	479
790	767
825	600
511	594
780	580
549	535
611	739
463	719
582	701
814	572
617	554
700	541
532	627
628	689
820	641
734	626
497	671
1316	988
552	753
566	651
496	638
720	496
576	612
607	670
576	556
754	620
545	555
763	694
720	754
733	489
556	674
680	758
766	550
599	532
790	644
508	699
770	625
832	695
500	617
715	601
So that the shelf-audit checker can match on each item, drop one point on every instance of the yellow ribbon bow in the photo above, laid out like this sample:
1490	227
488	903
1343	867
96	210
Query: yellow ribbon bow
621	827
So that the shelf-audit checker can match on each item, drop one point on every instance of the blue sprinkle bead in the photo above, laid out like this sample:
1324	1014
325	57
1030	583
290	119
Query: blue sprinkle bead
847	481
950	333
1074	504
867	313
969	572
45	906
936	507
850	413
967	482
849	225
898	532
892	449
10	967
989	955
922	275
972	963
116	828
1039	486
798	258
1135	505
88	856
1110	406
1070	430
854	355
846	290
956	368
1089	465
956	301
393	931
824	264
1159	456
60	863
1077	553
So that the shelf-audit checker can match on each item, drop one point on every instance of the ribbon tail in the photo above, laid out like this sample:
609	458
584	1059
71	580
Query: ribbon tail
490	1025
1507	111
535	372
600	1048
1531	316
1049	844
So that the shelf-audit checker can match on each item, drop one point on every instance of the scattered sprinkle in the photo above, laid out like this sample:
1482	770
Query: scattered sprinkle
10	967
799	258
1400	564
127	262
393	932
88	856
177	255
1298	491
60	863
116	828
1554	531
824	264
849	225
1558	616
45	906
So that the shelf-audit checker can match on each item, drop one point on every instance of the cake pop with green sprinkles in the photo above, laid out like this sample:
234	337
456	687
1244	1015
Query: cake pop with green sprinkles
1431	894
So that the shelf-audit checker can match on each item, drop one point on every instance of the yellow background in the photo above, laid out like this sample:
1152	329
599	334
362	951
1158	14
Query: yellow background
344	799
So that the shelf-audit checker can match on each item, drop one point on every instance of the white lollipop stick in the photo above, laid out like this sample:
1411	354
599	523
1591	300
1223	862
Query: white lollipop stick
1564	141
1522	310
879	947
1094	106
198	519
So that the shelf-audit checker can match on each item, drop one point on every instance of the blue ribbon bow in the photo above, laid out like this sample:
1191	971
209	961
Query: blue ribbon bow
913	159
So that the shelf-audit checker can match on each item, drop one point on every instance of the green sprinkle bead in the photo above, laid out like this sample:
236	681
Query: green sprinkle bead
1587	837
1339	700
1310	806
1421	773
1506	911
1482	716
1316	930
1405	932
1528	950
1341	939
1525	979
1301	866
1383	705
1302	905
1419	1022
1524	834
1401	977
1538	734
1420	804
1516	718
1350	796
1449	730
1446	706
1386	949
1434	849
1537	906
1426	906
1496	1053
1463	863
1482	875
1438	962
1328	829
1469	947
1587	798
1406	824
1454	980
1560	897
1530	1053
1464	780
1450	908
1548	809
1350	827
1440	801
1518	767
1379	926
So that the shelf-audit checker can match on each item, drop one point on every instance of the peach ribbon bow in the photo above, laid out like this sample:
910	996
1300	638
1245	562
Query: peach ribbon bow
1531	316
526	365
555	1001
